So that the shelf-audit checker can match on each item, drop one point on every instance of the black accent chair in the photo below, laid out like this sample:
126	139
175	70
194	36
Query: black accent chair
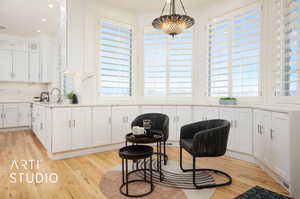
159	125
205	139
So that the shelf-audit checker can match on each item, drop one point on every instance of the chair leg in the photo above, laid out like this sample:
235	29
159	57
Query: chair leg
165	154
181	167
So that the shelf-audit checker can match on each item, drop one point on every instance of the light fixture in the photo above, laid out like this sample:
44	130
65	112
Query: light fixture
43	19
38	31
50	5
173	23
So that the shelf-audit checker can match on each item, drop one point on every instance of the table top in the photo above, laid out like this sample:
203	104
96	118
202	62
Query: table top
142	139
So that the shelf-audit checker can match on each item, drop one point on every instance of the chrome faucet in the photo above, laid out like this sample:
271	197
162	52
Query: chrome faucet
59	96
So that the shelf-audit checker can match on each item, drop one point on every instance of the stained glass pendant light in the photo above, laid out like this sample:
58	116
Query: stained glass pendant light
173	23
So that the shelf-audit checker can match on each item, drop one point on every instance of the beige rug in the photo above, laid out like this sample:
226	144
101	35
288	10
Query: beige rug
111	181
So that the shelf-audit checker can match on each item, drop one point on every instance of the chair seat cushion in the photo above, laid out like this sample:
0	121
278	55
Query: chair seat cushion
187	144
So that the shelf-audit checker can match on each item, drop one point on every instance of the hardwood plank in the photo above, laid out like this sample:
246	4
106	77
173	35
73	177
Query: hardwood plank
79	177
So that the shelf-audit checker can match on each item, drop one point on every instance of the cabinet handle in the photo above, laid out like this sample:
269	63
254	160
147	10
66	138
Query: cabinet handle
271	134
74	123
69	123
174	119
109	120
258	128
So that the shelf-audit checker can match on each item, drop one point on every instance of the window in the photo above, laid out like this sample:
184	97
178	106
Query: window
234	53
287	22
168	63
115	59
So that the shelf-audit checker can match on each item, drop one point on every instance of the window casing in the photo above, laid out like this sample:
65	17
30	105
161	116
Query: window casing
115	59
168	63
287	42
234	53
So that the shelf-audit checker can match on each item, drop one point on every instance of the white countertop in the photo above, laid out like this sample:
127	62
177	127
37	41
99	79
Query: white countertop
284	108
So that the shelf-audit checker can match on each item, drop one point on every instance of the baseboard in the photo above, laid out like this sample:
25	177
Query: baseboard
14	129
241	156
70	154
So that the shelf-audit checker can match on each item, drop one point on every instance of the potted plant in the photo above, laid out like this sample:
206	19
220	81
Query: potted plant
228	101
72	98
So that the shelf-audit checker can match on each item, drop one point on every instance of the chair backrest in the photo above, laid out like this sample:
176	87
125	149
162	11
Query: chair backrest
158	122
213	141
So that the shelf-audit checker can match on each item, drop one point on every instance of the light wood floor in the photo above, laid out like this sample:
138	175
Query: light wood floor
79	177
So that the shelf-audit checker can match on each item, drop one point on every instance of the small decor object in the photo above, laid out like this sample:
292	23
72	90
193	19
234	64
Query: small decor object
136	130
173	23
228	101
73	98
259	192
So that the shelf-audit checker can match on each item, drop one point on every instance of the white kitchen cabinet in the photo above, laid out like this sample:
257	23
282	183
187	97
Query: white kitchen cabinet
24	114
259	134
280	143
101	130
6	65
34	67
151	109
240	135
121	122
229	115
71	128
10	115
171	111
81	127
201	113
20	66
184	117
61	129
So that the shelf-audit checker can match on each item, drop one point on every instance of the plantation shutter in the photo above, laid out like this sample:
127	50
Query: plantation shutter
234	53
287	40
168	63
115	59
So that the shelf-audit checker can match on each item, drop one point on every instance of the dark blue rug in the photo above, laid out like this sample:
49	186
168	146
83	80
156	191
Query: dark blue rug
261	193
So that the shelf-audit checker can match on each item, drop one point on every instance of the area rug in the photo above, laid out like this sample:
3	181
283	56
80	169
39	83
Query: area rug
111	181
261	193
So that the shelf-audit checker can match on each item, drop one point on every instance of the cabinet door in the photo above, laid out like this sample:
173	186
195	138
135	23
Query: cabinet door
118	125
259	140
266	126
199	113
184	117
24	114
212	113
171	111
61	129
279	135
1	114
101	126
151	109
82	127
131	113
34	67
20	66
5	65
10	112
229	115
243	126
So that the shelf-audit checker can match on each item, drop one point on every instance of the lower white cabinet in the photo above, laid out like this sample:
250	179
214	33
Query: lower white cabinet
122	117
201	113
101	127
240	135
71	128
272	141
24	114
151	109
178	117
9	115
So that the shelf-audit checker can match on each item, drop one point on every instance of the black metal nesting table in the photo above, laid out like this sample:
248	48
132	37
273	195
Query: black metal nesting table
144	139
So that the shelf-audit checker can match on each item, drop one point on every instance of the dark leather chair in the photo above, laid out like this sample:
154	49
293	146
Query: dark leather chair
205	139
159	125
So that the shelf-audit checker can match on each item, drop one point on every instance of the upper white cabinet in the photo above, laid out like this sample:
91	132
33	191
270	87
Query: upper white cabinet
5	65
121	121
34	67
20	66
240	135
101	127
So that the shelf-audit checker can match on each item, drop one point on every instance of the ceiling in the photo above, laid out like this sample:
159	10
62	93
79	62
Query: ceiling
150	5
24	17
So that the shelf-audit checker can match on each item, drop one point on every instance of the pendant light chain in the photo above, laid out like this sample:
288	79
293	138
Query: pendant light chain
183	8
